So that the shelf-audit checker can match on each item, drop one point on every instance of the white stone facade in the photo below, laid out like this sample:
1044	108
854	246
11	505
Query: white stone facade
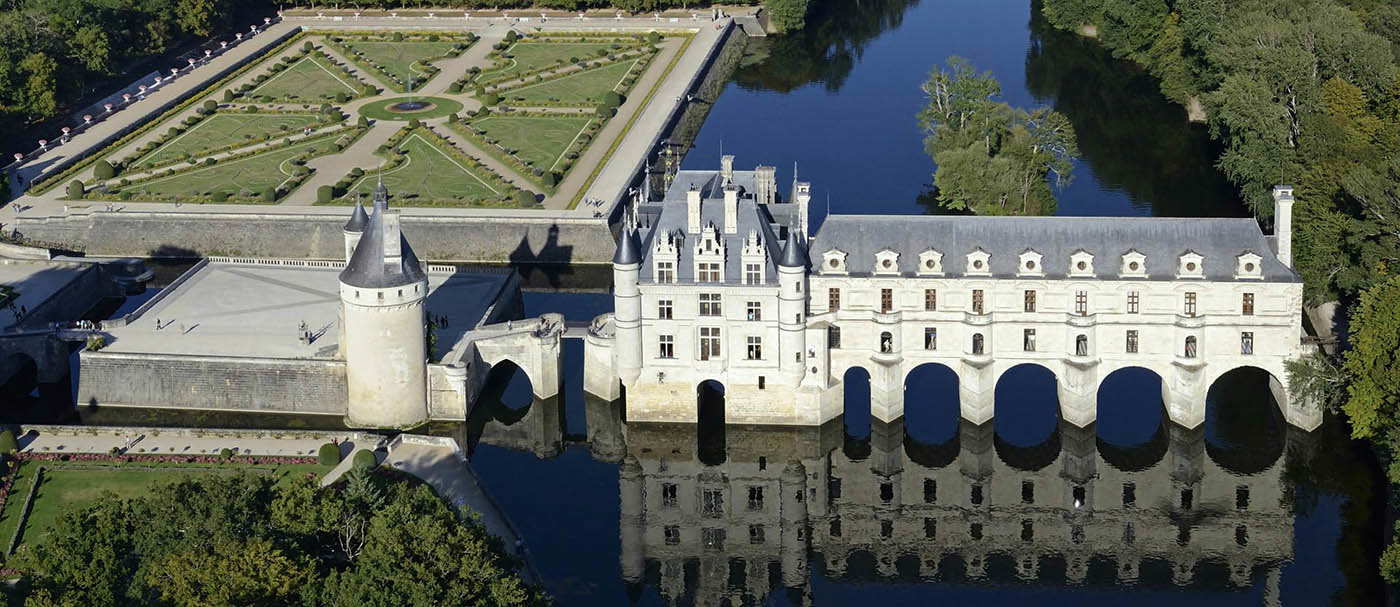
709	291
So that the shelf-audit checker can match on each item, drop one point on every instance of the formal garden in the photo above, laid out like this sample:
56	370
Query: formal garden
318	115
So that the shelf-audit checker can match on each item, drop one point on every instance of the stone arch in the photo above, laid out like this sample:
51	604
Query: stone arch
710	440
503	385
1244	432
856	411
1127	391
1025	403
20	373
932	404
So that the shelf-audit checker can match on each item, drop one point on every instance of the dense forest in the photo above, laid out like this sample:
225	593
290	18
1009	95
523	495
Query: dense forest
1302	92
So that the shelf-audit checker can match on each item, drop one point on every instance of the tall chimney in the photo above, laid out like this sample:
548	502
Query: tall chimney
1283	223
731	209
766	184
692	207
726	167
803	192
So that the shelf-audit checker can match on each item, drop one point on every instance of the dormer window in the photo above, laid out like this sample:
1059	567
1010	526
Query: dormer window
1029	264
979	263
887	262
1248	266
931	263
1081	263
1134	265
834	262
1190	265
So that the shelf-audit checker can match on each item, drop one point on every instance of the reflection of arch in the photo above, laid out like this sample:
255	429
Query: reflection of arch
21	373
1138	457
709	428
1244	426
1031	458
1129	392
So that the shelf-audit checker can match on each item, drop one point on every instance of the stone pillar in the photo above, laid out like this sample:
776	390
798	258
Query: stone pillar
1296	411
886	392
1078	389
1184	394
599	366
1079	456
976	450
887	451
726	168
976	392
803	198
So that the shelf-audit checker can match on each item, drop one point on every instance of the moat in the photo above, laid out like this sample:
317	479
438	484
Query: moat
1022	510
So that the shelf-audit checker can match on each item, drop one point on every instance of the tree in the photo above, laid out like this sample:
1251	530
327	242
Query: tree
92	48
329	453
786	15
76	189
8	445
102	169
199	17
324	194
252	572
41	84
1373	363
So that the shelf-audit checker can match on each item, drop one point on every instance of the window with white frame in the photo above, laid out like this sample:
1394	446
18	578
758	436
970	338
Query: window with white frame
1081	303
930	338
663	309
1189	303
753	310
753	273
1132	345
709	343
709	304
666	346
1246	342
1028	340
755	351
1133	302
665	272
708	271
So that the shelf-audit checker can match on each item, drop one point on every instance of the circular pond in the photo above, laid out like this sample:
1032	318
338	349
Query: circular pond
408	108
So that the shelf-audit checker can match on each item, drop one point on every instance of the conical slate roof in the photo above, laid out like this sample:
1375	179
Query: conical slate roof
794	252
358	219
629	249
374	264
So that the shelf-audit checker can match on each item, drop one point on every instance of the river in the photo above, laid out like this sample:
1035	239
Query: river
930	510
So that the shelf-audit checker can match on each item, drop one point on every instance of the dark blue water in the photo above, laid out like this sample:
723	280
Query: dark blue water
839	99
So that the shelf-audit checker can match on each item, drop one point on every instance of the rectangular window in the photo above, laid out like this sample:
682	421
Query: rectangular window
886	300
755	348
930	338
1030	301
752	274
708	271
1247	305
713	539
666	346
665	271
709	304
833	299
709	343
1132	345
755	497
833	338
930	491
1133	302
663	309
668	495
977	301
1028	340
753	310
1081	303
1247	342
755	534
673	535
713	503
931	299
1190	307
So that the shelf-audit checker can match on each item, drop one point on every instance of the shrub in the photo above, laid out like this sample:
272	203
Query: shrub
524	199
415	123
76	189
307	46
103	169
652	37
550	179
453	118
605	111
269	194
325	193
365	460
226	453
491	99
8	444
612	99
228	95
329	453
210	105
362	122
219	197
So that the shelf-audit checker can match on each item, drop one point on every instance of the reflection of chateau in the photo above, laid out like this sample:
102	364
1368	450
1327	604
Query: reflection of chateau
742	529
715	283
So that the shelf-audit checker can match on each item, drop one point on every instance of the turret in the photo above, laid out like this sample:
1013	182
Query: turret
382	291
627	306
1283	223
354	228
792	306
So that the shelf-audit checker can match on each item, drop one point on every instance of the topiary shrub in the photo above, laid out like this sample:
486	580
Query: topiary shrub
328	454
75	189
612	98
226	453
324	194
652	37
210	106
103	169
8	444
219	197
269	194
365	460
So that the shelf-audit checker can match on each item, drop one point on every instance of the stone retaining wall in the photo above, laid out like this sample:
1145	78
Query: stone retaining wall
211	382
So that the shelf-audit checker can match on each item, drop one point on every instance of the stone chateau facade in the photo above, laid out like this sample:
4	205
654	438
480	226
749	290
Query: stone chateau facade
720	282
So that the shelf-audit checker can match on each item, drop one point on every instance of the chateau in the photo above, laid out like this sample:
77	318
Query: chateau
719	282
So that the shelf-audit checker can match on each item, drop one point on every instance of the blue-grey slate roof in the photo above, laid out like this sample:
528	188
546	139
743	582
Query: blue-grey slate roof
672	219
1162	240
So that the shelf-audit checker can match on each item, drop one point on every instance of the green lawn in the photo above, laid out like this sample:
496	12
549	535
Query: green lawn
224	129
585	87
397	58
71	485
526	56
246	176
307	80
428	174
538	140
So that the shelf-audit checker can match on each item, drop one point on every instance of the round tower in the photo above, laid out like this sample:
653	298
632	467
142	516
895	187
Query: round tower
354	229
627	306
792	305
382	291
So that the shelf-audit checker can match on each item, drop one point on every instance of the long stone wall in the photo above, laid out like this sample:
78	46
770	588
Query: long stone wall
213	383
307	236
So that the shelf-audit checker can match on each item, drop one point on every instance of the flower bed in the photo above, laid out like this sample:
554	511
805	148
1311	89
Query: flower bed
257	460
